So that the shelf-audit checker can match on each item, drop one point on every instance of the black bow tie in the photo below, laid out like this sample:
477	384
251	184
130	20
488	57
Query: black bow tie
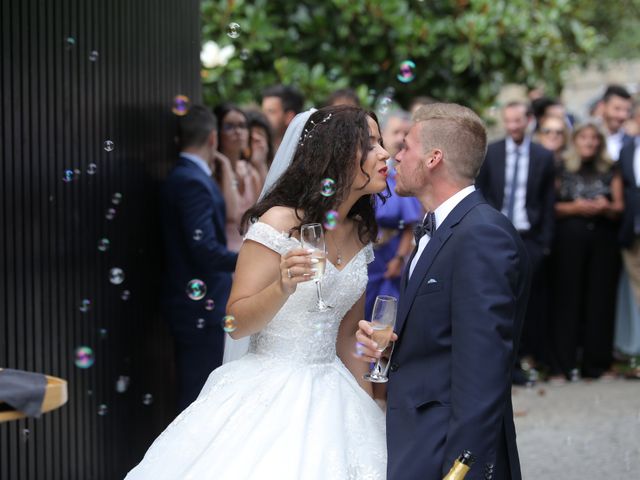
427	227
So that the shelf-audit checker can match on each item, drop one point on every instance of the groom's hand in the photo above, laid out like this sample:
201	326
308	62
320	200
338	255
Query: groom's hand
367	349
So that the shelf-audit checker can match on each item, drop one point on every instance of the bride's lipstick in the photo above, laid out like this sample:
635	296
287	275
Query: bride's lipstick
383	171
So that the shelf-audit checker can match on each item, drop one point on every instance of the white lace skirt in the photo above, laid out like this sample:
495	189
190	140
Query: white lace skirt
261	418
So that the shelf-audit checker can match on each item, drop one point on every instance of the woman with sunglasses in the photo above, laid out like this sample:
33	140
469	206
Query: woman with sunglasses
553	135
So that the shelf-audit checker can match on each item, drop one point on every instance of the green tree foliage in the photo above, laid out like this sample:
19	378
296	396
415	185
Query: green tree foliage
464	50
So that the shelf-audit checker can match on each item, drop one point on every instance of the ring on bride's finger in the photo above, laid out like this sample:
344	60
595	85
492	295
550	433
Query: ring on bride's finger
289	273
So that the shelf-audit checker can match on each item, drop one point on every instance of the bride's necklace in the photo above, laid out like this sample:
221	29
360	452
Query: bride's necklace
339	257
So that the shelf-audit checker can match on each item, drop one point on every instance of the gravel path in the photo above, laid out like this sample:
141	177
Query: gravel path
579	431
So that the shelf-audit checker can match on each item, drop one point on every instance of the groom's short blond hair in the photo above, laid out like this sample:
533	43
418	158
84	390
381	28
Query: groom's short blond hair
456	130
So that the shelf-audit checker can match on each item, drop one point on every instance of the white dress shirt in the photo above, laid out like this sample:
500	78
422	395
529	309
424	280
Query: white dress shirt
198	161
520	218
614	144
636	162
441	214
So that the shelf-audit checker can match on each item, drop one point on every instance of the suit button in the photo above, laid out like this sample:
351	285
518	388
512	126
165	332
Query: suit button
394	367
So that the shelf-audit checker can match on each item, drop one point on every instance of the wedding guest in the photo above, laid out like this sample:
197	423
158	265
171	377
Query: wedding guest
627	333
553	135
616	110
586	256
233	131
517	178
632	126
193	218
396	218
343	96
261	142
280	104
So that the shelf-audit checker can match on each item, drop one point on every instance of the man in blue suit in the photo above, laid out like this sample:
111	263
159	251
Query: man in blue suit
193	217
460	314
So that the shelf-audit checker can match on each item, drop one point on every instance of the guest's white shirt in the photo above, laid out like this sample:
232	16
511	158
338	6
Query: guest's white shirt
636	162
198	161
520	218
441	214
614	144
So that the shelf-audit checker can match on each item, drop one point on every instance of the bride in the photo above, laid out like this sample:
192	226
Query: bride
295	406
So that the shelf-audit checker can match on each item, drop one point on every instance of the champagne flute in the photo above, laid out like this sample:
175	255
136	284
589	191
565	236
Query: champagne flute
383	319
312	239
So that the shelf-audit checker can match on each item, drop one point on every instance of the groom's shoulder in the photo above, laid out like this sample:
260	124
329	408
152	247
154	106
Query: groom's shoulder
485	217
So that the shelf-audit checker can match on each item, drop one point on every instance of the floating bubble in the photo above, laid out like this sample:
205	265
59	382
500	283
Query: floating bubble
181	104
70	42
92	168
244	54
116	198
147	399
196	289
76	174
89	393
331	220
116	276
103	332
197	234
209	304
401	225
93	56
85	305
407	73
102	409
328	187
233	30
109	146
125	295
384	104
67	176
25	434
111	213
103	244
200	323
122	384
229	323
84	357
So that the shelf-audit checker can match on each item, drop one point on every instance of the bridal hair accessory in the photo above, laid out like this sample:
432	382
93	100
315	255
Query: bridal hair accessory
307	132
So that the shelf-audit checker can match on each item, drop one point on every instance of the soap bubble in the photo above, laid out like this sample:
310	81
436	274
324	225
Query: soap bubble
244	54
93	56
209	304
116	276
109	146
407	73
92	169
67	176
233	30
331	220
70	42
85	305
25	434
103	410
84	357
116	198
125	295
327	187
197	234
122	384
196	289
103	332
103	244
111	213
229	323
147	399
181	104
200	323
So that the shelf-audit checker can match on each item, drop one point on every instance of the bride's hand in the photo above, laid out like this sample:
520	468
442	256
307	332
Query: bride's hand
366	349
295	267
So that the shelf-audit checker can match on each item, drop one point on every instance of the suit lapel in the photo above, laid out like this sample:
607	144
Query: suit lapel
532	173
500	173
442	234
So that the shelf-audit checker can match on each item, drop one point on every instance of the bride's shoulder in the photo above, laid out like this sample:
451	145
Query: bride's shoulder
281	218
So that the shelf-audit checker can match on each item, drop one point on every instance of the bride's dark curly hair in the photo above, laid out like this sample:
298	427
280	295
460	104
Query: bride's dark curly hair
328	152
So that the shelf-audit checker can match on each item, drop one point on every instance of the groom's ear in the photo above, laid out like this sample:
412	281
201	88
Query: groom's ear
435	157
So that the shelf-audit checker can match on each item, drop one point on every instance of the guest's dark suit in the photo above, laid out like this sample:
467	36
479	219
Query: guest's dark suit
459	321
540	200
192	201
631	194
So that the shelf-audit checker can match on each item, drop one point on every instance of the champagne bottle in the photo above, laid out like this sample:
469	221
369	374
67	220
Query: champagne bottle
461	466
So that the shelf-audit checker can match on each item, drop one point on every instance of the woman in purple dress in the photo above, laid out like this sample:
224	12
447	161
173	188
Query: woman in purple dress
396	219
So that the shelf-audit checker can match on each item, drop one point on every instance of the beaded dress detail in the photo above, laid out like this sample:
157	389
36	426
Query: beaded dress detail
289	409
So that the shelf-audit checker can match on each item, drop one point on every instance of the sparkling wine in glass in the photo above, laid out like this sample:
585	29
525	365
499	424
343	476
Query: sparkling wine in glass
312	238
383	319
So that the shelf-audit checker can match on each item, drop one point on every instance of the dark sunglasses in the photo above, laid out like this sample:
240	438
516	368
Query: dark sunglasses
547	131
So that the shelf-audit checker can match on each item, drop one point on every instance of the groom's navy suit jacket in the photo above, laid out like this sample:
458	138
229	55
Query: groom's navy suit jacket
459	321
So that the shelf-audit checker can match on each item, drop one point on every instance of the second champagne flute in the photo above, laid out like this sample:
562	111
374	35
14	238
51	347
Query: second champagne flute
383	319
312	238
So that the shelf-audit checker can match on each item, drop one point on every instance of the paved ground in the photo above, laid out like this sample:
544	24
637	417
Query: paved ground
579	431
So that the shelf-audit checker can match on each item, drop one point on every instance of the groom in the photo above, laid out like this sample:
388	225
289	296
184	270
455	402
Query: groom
462	304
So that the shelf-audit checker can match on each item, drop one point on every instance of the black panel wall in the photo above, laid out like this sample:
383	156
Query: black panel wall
59	104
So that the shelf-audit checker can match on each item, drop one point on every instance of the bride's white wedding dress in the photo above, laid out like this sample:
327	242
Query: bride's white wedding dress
288	409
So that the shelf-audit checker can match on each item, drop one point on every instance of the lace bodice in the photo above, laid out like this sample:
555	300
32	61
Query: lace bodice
294	333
